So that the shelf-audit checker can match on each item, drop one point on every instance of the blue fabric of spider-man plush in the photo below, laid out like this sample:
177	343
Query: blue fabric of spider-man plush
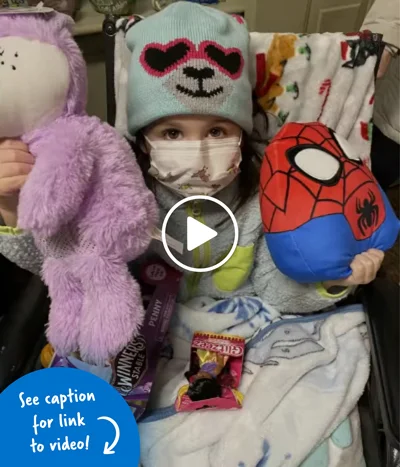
320	204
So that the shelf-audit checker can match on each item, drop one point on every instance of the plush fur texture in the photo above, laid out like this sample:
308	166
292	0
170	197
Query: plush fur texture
89	210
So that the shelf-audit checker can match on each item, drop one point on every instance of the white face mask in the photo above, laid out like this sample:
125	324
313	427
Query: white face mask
195	167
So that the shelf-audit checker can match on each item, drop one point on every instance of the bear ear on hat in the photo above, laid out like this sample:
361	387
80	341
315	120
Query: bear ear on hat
240	19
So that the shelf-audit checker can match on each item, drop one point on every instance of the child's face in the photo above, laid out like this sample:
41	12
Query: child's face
193	155
192	128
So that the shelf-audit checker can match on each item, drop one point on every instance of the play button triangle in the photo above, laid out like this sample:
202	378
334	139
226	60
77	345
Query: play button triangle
197	234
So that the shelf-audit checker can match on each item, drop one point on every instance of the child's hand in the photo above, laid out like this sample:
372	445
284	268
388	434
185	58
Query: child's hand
15	165
364	270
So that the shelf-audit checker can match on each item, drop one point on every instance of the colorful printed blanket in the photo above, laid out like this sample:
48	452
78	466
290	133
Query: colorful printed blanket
302	379
297	77
318	77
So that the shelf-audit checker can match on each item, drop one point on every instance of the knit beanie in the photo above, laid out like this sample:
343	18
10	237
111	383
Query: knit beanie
189	59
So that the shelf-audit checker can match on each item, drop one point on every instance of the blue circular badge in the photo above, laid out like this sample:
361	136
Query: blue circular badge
66	417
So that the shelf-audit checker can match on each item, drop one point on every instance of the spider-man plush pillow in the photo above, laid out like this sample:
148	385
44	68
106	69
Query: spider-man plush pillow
320	204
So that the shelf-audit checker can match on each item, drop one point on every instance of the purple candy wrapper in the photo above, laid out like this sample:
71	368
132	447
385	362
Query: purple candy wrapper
133	369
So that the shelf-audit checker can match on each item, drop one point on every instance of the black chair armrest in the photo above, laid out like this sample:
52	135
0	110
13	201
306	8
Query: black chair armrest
12	280
23	322
109	31
381	301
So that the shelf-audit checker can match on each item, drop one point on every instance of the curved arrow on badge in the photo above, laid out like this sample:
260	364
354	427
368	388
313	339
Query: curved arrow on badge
107	448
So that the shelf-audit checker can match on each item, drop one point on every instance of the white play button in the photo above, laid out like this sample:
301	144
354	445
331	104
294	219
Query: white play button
197	233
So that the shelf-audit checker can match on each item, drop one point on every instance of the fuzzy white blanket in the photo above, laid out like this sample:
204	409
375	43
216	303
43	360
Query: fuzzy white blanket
302	379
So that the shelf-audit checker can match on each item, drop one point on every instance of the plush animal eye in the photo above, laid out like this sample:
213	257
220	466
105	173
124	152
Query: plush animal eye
348	149
317	164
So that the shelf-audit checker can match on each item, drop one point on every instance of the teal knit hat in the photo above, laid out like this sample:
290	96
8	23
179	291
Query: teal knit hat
189	60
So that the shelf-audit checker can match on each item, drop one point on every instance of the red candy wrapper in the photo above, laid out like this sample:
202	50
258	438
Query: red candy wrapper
215	371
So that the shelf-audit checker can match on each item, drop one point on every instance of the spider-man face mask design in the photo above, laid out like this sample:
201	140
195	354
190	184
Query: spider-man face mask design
318	197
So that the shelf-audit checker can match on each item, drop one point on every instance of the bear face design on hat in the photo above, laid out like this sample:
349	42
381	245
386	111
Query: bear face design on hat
189	59
194	74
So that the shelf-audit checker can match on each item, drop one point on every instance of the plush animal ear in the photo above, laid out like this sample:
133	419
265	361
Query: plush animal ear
62	21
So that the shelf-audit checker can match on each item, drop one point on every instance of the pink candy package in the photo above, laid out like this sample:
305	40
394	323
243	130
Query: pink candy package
215	371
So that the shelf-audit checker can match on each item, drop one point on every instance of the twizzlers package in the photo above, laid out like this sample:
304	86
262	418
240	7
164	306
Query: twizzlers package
215	371
132	371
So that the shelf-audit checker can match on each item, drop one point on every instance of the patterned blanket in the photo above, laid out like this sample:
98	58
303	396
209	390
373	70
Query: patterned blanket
318	77
301	382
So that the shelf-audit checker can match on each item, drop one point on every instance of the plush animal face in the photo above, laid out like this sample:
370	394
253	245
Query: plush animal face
34	82
320	204
42	72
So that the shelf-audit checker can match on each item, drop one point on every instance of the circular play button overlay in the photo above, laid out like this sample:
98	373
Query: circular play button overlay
198	234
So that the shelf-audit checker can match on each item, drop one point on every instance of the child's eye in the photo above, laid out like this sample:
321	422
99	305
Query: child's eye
172	134
216	132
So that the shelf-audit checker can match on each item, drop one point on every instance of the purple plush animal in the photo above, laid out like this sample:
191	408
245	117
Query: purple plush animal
85	201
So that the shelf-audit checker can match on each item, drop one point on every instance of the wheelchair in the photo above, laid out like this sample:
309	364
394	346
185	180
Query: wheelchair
24	313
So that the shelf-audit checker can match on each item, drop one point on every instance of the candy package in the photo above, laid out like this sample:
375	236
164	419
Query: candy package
214	373
132	371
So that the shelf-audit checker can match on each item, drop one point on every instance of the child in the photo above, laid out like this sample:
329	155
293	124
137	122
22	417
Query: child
190	109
